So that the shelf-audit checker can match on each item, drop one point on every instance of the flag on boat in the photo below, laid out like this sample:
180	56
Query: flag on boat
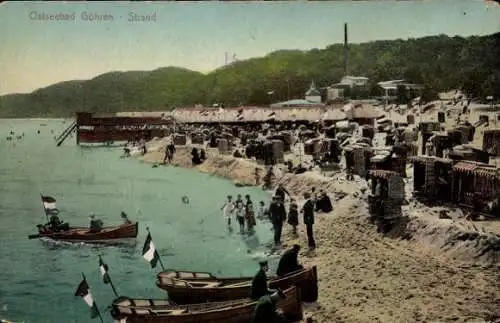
83	291
149	251
49	204
103	268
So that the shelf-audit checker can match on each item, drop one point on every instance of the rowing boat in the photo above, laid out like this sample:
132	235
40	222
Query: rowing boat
82	234
185	287
235	311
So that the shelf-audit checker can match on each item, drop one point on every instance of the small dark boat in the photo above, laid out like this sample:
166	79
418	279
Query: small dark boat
235	311
81	234
186	287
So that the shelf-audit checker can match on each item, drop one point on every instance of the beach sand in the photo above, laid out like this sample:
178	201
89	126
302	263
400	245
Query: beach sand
434	274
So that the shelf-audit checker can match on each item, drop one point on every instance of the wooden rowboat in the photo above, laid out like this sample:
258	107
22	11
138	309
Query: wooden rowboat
186	287
235	311
79	234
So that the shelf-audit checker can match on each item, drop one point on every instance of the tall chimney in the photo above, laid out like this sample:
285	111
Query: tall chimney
346	50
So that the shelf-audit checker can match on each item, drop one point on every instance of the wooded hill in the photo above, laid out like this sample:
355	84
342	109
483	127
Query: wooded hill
440	62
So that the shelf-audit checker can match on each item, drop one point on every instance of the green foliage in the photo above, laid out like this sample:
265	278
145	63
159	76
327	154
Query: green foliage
439	62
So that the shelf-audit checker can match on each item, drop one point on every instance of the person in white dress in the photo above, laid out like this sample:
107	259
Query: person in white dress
228	209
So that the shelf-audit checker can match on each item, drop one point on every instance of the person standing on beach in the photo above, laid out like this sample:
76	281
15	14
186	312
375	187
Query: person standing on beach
169	153
293	216
228	209
308	211
278	216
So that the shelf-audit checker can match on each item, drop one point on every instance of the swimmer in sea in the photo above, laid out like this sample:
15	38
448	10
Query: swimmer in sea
185	199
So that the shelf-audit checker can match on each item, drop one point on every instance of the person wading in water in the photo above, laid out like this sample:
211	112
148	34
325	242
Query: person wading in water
228	209
240	215
249	214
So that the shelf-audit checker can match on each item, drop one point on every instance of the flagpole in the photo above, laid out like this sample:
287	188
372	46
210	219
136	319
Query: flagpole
44	209
95	304
156	251
109	277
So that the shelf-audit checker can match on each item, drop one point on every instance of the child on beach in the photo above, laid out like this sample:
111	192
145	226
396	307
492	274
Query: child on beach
228	209
293	216
240	215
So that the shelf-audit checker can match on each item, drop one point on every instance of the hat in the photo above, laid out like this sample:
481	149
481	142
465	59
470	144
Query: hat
263	263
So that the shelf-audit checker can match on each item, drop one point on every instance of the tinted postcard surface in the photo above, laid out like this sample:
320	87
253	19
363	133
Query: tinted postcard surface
244	162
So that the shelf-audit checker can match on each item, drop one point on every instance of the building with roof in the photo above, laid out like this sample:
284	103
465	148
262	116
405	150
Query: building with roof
313	94
349	86
391	88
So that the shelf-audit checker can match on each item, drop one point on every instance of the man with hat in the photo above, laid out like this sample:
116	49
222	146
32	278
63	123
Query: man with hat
278	216
95	223
266	310
308	212
289	261
259	282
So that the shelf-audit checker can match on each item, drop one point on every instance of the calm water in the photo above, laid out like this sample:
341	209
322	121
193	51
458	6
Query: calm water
38	278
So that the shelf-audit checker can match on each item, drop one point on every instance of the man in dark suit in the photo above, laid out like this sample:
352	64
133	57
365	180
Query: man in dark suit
289	262
308	211
278	216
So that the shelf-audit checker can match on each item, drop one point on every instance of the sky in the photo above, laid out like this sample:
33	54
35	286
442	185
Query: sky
35	53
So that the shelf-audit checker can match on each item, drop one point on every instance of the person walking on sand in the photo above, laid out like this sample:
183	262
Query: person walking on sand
278	216
240	215
308	212
228	209
257	176
293	216
169	153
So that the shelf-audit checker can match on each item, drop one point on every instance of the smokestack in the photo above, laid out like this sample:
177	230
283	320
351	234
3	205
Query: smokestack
346	50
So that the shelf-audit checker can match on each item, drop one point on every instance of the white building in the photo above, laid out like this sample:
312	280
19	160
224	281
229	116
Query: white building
313	95
354	80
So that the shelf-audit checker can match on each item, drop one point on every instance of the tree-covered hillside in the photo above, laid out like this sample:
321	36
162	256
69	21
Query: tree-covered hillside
439	62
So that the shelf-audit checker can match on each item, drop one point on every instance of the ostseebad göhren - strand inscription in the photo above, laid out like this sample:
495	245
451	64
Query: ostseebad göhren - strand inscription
91	16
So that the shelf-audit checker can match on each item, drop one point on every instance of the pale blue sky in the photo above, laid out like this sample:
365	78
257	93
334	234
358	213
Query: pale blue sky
196	35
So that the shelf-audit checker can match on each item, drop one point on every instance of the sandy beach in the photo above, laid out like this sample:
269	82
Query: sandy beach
425	270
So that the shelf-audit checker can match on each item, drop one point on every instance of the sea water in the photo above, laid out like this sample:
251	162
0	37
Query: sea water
38	278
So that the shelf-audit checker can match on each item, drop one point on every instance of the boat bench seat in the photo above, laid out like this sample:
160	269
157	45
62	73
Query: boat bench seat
171	312
211	284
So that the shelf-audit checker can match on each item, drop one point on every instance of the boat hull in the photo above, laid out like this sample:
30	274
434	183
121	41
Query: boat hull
77	234
198	289
236	311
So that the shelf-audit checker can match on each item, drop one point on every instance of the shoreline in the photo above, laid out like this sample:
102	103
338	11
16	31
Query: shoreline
418	272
